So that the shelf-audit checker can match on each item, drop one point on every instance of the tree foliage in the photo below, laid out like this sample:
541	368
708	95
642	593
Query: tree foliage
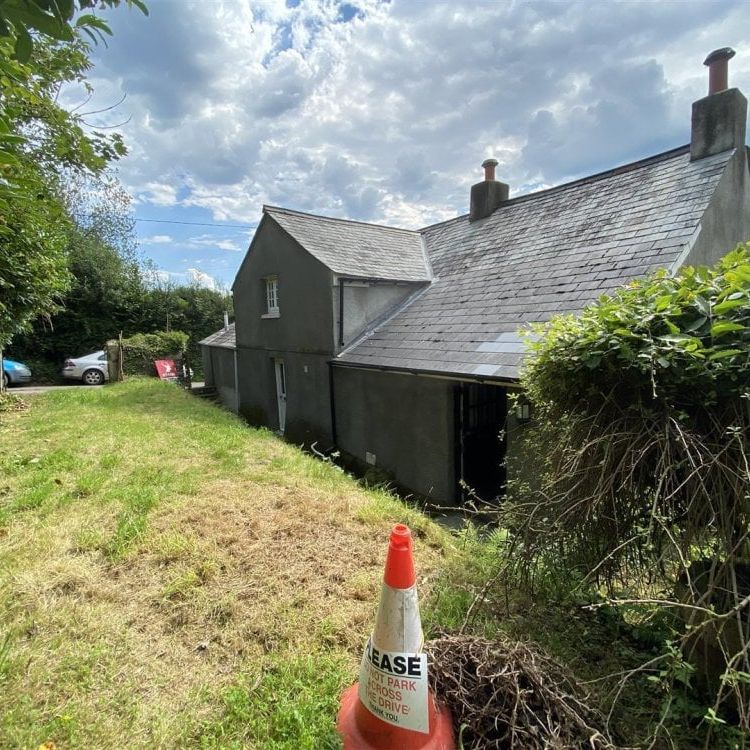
682	341
140	350
42	145
60	20
196	310
112	293
33	273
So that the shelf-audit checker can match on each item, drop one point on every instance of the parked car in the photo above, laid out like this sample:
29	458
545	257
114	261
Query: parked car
90	369
15	372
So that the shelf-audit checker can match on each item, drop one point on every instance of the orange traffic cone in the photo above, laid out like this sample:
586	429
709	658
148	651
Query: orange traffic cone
391	706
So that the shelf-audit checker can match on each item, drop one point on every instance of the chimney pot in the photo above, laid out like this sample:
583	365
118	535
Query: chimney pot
719	119
718	69
489	169
488	195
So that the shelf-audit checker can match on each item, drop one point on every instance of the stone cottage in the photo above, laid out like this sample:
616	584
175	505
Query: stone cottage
399	348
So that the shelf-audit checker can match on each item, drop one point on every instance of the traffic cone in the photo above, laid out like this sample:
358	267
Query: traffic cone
391	706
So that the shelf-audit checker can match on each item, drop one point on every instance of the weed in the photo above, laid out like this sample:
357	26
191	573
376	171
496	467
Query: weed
89	539
185	581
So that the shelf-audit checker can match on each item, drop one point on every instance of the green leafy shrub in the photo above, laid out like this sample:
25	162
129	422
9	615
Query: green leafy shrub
642	428
642	404
140	351
679	340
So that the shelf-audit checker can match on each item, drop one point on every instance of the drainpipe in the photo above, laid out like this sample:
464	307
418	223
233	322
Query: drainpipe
332	399
236	384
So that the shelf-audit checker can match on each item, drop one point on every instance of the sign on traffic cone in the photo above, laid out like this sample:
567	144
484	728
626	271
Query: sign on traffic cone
392	706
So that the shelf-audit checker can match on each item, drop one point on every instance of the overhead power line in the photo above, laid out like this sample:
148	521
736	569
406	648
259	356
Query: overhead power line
199	224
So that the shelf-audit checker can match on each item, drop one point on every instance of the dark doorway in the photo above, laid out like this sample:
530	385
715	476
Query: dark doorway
481	411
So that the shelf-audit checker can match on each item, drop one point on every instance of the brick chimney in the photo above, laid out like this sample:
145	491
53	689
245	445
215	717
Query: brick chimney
719	119
488	195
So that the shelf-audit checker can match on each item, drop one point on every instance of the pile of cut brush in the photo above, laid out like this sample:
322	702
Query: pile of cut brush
507	694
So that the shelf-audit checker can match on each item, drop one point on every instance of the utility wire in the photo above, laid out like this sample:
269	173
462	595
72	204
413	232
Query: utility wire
199	224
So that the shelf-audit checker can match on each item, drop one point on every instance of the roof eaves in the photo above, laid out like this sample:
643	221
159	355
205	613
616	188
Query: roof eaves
205	342
446	374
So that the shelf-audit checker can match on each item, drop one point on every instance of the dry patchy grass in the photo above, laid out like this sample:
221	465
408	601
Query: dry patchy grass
169	577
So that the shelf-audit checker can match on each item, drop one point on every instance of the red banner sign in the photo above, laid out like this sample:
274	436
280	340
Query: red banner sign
166	369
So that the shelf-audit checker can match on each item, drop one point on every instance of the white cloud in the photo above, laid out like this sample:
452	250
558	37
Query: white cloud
218	243
158	239
160	277
199	278
387	116
157	193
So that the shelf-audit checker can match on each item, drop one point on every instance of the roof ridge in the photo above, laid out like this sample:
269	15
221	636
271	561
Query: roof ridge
308	215
622	169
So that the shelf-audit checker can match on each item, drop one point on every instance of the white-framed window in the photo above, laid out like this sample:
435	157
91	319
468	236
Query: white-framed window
272	296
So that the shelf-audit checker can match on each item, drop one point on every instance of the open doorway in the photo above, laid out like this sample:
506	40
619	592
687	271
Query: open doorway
481	412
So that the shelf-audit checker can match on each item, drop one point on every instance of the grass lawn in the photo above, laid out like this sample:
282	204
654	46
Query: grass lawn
171	578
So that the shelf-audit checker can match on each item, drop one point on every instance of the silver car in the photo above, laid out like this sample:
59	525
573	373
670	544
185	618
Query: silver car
90	369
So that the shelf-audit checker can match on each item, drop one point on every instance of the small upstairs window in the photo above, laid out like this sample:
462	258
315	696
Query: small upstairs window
272	297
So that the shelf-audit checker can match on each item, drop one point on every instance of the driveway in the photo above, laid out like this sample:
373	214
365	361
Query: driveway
30	390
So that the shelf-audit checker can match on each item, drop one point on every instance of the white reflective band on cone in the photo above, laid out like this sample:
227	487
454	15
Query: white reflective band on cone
398	627
393	681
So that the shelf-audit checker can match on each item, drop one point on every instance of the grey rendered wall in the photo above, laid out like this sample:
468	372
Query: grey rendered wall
364	304
222	369
726	221
308	411
208	373
407	421
304	288
302	336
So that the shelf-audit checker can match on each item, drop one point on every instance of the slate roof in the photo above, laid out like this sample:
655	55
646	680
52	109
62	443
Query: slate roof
353	248
224	338
537	255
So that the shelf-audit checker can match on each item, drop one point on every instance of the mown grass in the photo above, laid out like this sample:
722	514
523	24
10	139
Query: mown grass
172	578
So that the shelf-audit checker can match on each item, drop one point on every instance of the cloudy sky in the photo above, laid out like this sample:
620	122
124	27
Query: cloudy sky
383	111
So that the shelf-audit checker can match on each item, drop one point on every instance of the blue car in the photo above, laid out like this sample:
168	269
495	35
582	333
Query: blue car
15	372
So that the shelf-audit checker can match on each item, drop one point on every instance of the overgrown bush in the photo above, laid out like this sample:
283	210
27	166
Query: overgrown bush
642	426
42	371
140	351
